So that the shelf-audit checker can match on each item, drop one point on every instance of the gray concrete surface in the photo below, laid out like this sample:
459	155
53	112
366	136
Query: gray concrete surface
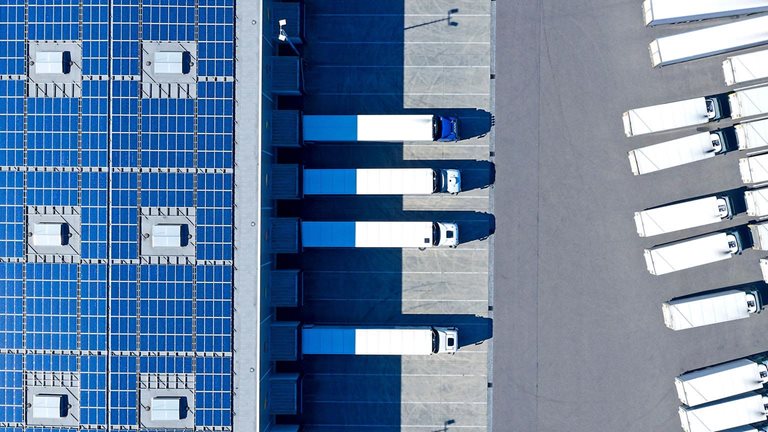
395	57
579	341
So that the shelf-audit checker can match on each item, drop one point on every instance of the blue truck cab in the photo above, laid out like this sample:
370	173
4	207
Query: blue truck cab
445	129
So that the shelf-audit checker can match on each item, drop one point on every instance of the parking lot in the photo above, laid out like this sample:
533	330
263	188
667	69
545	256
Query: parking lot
579	341
389	58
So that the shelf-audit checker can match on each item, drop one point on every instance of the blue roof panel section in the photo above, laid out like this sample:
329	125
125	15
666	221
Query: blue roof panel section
328	234
330	128
102	158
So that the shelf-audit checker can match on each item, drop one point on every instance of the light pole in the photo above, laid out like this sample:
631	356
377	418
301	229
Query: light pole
283	36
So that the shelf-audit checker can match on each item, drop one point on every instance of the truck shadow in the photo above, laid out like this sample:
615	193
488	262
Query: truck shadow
759	286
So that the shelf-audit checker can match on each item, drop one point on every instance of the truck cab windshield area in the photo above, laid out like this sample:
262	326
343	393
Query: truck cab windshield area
437	185
435	342
435	234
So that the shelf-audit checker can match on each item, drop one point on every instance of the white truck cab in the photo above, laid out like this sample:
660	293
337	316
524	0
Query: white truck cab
445	234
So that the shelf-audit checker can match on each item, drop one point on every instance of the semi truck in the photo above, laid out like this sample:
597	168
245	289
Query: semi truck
745	67
693	252
385	181
379	234
381	128
709	41
697	111
757	202
724	414
689	214
317	339
721	381
754	169
656	12
674	153
693	148
712	308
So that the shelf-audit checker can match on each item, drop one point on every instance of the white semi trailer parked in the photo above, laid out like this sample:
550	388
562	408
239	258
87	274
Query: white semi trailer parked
378	341
674	153
672	115
656	12
745	67
748	135
693	252
738	411
709	41
689	214
712	308
754	169
380	181
379	234
757	202
721	381
697	111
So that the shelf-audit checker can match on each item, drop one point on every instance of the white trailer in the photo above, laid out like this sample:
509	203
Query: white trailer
378	341
689	214
345	234
693	252
751	135
759	232
674	153
745	67
380	181
721	381
672	115
657	12
721	415
757	202
749	102
709	41
754	169
706	309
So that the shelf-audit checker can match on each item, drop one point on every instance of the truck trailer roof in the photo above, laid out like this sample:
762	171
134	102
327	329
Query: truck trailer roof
672	115
708	41
738	411
658	12
706	309
688	253
745	67
388	181
754	169
752	134
757	202
749	102
677	217
367	341
719	382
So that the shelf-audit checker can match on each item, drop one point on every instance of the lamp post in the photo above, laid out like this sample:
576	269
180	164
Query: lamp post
283	36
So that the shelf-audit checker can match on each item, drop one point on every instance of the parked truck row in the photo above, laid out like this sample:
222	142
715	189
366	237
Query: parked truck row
697	111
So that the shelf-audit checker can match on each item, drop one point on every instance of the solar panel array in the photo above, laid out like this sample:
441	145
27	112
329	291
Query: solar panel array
110	317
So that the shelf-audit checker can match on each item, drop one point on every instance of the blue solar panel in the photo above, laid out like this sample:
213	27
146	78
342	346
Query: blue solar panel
105	156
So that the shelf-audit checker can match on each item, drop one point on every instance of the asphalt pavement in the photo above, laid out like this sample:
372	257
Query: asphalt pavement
579	342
